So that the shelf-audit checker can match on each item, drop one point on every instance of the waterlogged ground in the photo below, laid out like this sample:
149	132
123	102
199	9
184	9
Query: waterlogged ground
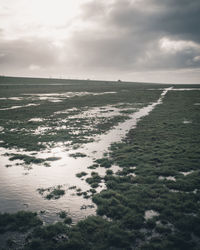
43	133
128	151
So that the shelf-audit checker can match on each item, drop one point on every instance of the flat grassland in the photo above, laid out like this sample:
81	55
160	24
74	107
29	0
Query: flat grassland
145	187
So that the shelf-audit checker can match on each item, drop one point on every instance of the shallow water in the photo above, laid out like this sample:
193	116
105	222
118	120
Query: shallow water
59	97
185	89
19	184
50	97
187	122
169	178
149	214
187	173
18	107
12	98
91	116
36	120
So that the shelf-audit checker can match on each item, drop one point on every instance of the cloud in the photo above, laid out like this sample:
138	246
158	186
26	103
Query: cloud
26	52
129	35
109	38
178	18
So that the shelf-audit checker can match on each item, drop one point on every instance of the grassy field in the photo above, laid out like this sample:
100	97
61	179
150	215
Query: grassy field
151	202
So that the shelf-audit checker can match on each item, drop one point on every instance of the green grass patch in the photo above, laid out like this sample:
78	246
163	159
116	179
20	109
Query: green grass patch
21	221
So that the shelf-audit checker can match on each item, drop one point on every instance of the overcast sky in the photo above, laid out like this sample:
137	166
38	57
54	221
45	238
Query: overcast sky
134	40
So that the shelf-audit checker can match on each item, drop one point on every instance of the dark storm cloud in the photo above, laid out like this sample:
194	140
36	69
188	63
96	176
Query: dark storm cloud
127	34
179	18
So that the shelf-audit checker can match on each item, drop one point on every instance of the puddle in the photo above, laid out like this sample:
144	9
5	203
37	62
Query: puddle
115	168
66	111
169	178
17	107
174	191
36	120
185	89
187	122
149	214
55	100
177	89
12	98
15	98
41	130
195	191
187	173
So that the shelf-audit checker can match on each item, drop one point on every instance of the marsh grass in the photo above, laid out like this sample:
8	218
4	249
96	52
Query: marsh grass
161	145
52	192
94	180
26	159
21	221
81	174
29	160
78	155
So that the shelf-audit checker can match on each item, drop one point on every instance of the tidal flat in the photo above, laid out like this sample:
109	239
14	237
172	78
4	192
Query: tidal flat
99	165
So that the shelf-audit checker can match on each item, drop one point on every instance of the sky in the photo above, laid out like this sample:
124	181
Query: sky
131	40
